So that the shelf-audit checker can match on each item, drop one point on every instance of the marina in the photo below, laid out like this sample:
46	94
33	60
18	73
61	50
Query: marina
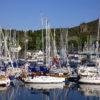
49	50
47	72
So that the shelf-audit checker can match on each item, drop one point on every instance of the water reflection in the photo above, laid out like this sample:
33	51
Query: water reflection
61	91
45	86
48	91
2	91
9	93
90	90
39	92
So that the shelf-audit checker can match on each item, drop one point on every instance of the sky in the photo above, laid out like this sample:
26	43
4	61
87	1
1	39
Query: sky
27	14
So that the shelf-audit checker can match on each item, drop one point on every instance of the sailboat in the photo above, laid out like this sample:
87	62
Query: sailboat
59	61
90	73
45	77
4	80
10	54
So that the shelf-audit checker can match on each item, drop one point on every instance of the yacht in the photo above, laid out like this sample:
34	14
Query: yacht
90	90
89	73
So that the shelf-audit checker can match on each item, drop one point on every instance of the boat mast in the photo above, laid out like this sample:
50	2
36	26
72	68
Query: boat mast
0	43
98	34
61	44
5	37
55	49
98	37
42	21
26	46
42	35
47	43
67	46
13	45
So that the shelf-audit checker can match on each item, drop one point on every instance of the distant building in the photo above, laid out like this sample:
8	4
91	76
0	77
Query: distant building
85	32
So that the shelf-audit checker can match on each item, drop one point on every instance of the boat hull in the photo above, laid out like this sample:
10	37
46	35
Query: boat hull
44	79
5	82
90	80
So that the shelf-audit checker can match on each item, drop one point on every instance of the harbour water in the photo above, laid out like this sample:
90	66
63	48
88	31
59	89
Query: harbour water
69	91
